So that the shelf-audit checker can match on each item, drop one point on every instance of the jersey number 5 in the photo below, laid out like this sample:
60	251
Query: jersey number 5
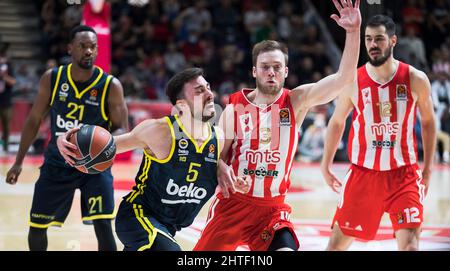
192	173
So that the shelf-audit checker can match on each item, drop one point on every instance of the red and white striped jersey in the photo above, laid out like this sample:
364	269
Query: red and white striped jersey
382	134
265	143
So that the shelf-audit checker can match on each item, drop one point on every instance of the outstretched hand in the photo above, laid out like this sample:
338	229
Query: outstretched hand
349	16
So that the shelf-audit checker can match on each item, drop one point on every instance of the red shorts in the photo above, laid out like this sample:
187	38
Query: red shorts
367	194
242	220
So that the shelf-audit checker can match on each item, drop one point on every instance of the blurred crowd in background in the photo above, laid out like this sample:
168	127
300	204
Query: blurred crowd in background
150	43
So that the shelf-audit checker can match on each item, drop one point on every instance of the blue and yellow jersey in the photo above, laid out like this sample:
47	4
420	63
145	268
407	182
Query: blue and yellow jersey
175	189
75	103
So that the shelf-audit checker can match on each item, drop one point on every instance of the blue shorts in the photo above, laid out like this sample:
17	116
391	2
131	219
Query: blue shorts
55	189
138	230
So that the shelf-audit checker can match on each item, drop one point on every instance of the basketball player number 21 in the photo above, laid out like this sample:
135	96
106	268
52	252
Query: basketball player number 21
75	107
93	201
192	173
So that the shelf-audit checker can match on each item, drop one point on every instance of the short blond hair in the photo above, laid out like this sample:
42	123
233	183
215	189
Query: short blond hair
269	45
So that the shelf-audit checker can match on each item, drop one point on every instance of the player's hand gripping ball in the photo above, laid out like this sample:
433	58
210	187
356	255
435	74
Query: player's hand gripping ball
96	149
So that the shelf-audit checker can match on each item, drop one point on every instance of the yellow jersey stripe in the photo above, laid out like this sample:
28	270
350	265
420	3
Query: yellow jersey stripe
150	225
44	226
197	148
138	190
102	216
142	178
58	76
148	228
77	93
102	102
146	162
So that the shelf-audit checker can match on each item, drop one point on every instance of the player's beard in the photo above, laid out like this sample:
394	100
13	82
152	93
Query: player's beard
86	65
381	59
269	90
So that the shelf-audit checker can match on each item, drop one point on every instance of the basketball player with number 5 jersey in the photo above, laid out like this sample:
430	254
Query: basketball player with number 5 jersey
72	95
384	175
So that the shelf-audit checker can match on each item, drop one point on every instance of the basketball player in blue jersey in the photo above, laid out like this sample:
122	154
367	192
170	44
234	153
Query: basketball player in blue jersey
178	173
74	94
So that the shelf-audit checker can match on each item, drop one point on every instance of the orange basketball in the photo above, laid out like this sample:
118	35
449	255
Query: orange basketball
96	149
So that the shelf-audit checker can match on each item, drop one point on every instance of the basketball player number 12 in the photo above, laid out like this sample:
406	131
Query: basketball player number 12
192	178
411	215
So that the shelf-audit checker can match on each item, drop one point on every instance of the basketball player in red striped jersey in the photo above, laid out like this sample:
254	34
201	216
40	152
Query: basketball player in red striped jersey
261	134
382	147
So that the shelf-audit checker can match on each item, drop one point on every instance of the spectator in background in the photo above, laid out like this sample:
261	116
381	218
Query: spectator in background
7	81
171	9
255	18
307	70
413	16
26	83
438	23
225	20
174	60
159	80
412	49
310	148
441	61
132	88
193	49
284	26
192	20
440	93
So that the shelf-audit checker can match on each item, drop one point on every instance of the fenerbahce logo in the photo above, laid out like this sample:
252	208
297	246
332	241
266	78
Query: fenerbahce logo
63	93
182	146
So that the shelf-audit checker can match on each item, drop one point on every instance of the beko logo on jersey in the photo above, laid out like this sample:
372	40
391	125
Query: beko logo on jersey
267	156
389	128
192	192
67	124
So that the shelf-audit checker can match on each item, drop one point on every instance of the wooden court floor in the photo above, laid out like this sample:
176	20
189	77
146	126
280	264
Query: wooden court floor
312	201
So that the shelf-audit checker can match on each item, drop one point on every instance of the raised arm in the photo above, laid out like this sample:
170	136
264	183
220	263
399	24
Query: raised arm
325	90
